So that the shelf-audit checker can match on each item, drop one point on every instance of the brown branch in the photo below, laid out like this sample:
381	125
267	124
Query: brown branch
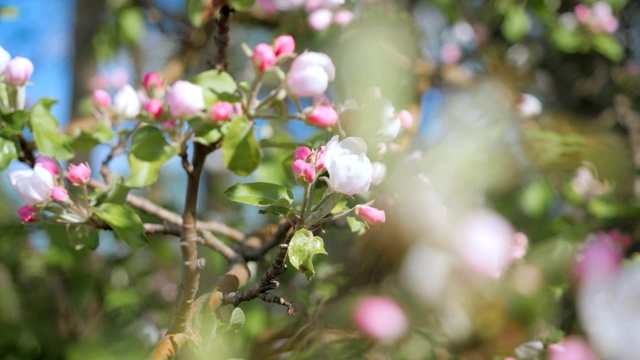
26	152
165	229
252	251
216	244
221	38
188	244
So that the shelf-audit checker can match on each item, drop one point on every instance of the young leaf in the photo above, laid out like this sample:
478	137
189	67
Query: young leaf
237	320
8	152
148	143
516	23
125	222
240	150
302	247
145	173
48	138
259	194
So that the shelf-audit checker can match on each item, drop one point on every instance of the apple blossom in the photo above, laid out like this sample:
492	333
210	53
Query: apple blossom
26	213
284	45
101	98
301	168
571	348
582	12
349	168
222	111
603	19
343	17
126	102
79	174
601	257
33	185
379	172
154	107
264	57
185	99
320	19
371	215
302	153
152	79
5	57
323	116
381	318
59	194
49	164
19	71
310	74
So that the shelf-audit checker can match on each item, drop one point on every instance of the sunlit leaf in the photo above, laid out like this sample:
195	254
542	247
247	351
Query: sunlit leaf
240	150
259	193
302	247
124	221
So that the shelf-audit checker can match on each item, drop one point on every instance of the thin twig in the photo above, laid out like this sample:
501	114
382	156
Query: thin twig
216	244
165	229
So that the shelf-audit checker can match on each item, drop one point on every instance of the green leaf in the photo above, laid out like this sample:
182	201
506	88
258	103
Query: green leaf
357	227
608	46
118	193
87	140
131	25
569	41
145	173
536	198
302	247
280	207
8	152
48	138
196	11
516	23
240	150
237	320
241	5
279	144
124	221
14	123
208	132
259	194
148	143
82	236
329	200
217	85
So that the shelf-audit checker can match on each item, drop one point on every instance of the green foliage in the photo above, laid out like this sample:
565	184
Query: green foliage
259	194
87	140
240	150
48	138
124	221
8	152
237	320
516	23
145	173
302	247
241	5
608	46
196	11
217	85
148	143
131	25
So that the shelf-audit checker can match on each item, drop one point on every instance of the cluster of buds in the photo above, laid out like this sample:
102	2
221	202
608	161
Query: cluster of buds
16	72
39	186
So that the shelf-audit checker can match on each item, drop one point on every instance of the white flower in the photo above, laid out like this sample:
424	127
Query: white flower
349	168
185	99
379	172
5	57
126	102
310	74
33	186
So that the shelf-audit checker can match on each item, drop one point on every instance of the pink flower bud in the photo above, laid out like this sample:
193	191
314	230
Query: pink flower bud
310	74
264	57
59	194
320	19
406	119
222	111
302	153
5	57
185	99
154	107
26	213
571	348
301	168
101	98
284	45
343	17
519	247
323	116
49	164
19	71
371	215
79	174
381	318
152	79
319	158
169	124
582	12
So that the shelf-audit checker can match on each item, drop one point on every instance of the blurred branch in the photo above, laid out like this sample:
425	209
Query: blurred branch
164	229
216	244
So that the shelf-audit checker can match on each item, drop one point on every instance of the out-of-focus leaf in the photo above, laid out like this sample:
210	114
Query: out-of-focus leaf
131	25
608	46
14	122
148	143
516	23
87	140
217	85
196	10
536	198
50	141
8	152
569	41
241	5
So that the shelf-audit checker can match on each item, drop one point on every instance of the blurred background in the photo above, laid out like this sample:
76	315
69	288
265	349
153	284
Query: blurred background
522	158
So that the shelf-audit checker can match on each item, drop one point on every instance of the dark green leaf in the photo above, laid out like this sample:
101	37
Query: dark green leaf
124	221
8	152
50	141
302	247
14	123
329	201
148	143
240	150
259	194
145	173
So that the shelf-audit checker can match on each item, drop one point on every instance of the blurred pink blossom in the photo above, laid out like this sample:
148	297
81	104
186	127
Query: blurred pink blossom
381	318
320	19
571	348
18	71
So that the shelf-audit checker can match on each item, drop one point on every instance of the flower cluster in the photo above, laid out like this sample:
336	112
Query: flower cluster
39	186
322	13
598	18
